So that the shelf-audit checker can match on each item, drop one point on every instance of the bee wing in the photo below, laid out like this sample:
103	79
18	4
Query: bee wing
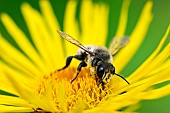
74	41
117	44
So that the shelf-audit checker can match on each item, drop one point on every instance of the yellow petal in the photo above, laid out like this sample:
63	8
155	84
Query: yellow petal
157	93
22	40
14	57
71	26
14	109
123	19
5	85
49	16
61	97
53	25
136	38
152	80
149	60
158	60
94	22
18	67
26	92
15	101
155	66
79	108
40	36
14	72
162	67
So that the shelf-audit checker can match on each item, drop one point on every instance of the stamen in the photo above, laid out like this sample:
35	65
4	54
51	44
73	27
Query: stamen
84	89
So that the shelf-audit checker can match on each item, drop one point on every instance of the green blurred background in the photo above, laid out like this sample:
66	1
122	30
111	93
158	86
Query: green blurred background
161	20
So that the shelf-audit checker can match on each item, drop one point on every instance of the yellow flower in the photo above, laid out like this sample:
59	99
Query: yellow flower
28	71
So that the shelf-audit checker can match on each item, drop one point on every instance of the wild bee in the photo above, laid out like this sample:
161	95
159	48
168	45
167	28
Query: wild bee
98	58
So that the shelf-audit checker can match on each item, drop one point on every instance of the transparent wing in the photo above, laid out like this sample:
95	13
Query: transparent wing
117	44
74	41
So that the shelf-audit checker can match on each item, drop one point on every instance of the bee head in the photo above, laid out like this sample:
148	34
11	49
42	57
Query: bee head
104	72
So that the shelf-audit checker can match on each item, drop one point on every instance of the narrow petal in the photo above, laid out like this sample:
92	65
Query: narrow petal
158	60
155	94
52	22
28	94
49	16
79	108
21	40
162	67
7	61
152	56
136	38
15	101
148	87
142	85
5	85
40	35
61	97
163	78
94	22
123	18
71	26
156	65
14	109
16	58
12	71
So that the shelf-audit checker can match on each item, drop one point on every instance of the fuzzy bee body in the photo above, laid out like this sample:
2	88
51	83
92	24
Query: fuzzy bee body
101	53
97	58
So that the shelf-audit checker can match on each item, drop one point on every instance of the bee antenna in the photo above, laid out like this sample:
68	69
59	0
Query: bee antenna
122	78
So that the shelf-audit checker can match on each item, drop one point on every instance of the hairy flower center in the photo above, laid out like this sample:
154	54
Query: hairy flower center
67	96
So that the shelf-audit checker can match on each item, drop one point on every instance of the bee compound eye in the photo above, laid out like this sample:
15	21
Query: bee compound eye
100	71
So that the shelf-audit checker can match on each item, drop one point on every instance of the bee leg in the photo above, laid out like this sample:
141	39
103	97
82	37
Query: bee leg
82	64
69	59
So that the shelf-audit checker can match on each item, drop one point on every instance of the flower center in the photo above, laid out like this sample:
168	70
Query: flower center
68	96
